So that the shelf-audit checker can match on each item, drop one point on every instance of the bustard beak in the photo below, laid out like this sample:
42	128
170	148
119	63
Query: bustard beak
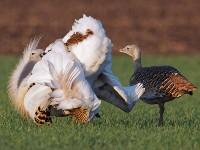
122	50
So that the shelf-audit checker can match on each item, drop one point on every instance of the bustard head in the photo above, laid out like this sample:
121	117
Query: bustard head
132	50
36	55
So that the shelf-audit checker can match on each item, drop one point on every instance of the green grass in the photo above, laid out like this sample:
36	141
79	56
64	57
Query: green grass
116	129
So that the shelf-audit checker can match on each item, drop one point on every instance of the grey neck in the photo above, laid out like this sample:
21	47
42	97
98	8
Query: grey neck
136	53
137	64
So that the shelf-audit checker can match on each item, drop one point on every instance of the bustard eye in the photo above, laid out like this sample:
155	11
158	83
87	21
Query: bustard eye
32	53
127	48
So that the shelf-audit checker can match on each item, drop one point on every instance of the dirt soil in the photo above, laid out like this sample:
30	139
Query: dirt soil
157	26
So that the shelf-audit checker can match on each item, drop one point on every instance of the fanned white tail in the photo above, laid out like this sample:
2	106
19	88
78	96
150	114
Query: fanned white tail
61	71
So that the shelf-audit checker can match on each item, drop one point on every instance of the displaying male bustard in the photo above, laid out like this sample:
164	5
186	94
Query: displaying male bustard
70	92
161	83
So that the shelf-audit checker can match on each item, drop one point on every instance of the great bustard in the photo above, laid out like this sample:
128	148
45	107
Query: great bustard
70	92
161	83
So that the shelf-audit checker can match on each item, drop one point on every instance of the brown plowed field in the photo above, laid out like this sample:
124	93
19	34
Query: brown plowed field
157	26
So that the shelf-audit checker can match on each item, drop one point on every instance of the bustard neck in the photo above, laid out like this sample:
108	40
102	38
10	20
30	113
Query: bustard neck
137	59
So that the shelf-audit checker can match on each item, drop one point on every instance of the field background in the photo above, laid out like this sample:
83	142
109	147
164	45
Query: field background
116	129
166	31
157	26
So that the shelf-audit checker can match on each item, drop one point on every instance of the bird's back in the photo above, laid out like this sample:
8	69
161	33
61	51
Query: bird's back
161	81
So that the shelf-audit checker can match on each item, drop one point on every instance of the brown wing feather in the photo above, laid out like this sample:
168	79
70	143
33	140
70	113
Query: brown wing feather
162	81
176	85
78	37
80	115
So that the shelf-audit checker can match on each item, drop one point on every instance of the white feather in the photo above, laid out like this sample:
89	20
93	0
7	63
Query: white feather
70	104
63	73
41	74
95	56
57	93
129	94
134	92
38	95
91	52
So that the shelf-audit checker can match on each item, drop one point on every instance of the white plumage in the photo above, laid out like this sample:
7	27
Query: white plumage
61	71
37	96
94	53
17	87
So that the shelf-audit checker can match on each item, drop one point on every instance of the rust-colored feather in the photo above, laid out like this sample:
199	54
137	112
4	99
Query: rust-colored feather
162	81
78	37
176	85
80	115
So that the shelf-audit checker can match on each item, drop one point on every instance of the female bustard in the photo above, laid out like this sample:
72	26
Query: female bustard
161	83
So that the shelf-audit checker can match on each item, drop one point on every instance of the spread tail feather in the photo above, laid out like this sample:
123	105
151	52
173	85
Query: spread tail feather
190	89
180	85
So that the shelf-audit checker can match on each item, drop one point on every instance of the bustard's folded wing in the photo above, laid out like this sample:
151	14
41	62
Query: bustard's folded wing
130	93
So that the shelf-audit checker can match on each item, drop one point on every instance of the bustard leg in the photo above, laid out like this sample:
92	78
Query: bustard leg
162	109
